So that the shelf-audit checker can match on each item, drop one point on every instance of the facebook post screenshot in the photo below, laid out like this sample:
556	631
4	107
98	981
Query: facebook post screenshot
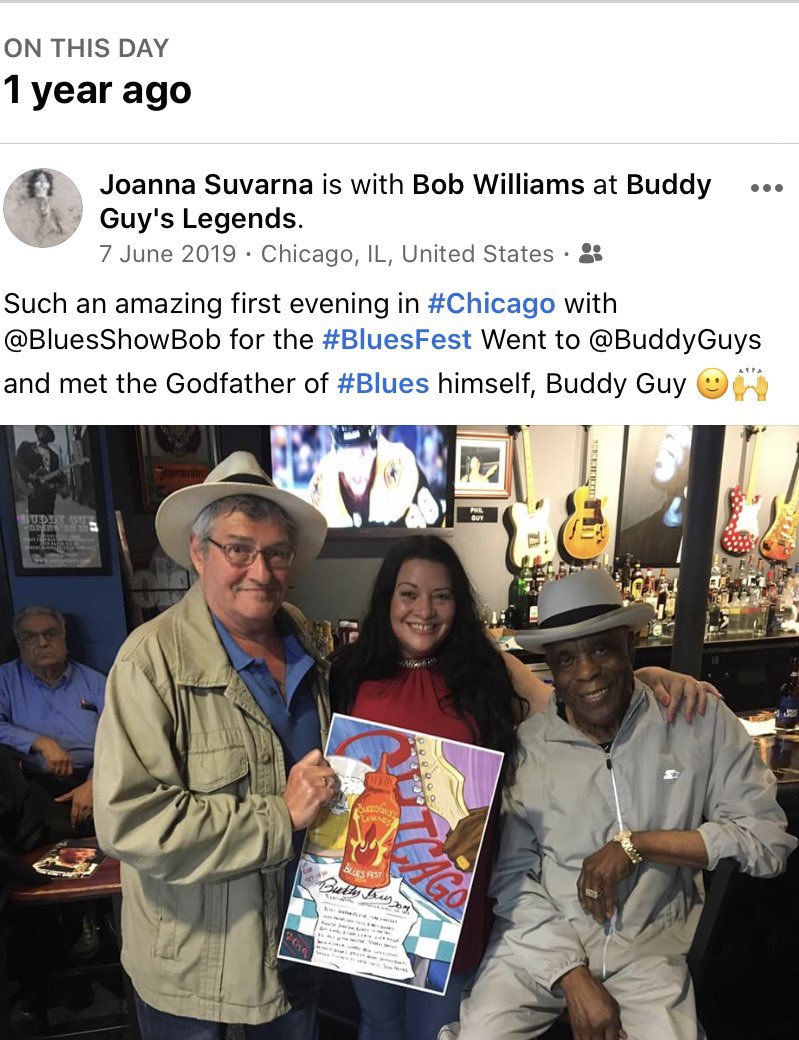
412	731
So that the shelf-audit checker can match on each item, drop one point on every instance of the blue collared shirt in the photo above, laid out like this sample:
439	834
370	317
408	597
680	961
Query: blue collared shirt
67	712
295	720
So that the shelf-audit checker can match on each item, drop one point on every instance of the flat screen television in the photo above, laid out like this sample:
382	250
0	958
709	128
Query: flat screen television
369	478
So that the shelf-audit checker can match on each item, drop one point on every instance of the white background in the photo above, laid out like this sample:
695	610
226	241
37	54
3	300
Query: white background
434	88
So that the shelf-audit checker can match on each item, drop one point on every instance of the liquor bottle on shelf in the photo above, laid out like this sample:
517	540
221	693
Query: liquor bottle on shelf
520	596
744	595
713	614
650	593
724	590
618	580
671	601
539	575
788	705
510	617
725	572
532	606
715	573
663	596
637	583
737	583
770	599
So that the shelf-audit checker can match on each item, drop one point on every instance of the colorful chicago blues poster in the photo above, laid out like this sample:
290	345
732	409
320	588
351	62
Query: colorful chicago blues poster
387	867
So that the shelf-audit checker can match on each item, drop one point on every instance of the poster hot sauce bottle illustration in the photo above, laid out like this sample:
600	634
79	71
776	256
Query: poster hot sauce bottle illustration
372	831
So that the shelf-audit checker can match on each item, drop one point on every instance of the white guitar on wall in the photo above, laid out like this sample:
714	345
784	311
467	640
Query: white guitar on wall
531	534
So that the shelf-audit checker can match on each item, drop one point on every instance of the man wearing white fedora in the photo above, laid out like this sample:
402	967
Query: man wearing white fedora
208	765
611	816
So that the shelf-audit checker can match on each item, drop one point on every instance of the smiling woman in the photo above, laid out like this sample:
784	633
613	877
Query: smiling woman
422	608
422	661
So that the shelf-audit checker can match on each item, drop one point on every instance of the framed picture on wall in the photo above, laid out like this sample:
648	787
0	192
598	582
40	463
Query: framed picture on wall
652	498
173	457
483	464
59	505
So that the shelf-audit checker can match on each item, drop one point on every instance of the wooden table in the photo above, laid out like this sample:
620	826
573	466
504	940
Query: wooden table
103	883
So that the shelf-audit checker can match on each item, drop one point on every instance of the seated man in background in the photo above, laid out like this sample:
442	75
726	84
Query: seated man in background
49	710
611	816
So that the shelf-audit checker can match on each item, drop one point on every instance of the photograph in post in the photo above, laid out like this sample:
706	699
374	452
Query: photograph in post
58	500
483	465
387	867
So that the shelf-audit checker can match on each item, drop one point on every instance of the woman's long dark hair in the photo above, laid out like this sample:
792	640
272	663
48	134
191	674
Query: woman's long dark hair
475	674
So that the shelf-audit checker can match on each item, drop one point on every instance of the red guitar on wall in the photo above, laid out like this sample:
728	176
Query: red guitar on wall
779	542
742	532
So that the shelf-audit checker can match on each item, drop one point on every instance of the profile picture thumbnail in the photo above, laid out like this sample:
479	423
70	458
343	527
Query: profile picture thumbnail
42	208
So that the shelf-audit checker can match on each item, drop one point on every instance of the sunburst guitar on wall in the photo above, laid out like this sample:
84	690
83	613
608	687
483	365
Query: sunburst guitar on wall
779	542
586	532
742	532
531	534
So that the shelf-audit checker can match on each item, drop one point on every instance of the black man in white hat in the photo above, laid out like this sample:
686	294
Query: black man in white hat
611	817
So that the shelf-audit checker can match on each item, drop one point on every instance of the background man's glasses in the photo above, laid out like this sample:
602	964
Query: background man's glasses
276	557
50	635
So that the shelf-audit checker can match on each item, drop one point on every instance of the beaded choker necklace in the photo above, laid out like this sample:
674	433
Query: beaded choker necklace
418	662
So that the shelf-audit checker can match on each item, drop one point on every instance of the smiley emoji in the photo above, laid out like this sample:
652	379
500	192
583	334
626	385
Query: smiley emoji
712	383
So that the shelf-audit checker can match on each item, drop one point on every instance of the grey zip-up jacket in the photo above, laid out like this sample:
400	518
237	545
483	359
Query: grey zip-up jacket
570	798
188	775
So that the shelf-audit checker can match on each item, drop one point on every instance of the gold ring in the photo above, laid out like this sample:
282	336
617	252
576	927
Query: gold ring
592	893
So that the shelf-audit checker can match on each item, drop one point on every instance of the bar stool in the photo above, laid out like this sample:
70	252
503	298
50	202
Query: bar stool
102	884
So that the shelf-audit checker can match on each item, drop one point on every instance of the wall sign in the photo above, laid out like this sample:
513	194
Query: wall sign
477	514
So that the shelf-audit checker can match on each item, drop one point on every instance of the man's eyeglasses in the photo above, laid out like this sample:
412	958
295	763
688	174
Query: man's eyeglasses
50	635
276	557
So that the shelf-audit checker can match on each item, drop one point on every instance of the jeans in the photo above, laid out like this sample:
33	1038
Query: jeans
298	1024
400	1013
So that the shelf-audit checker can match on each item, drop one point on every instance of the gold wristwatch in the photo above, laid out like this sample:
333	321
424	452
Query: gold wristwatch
624	838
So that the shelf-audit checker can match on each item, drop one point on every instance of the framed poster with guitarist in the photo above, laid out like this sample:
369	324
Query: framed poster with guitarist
58	504
652	498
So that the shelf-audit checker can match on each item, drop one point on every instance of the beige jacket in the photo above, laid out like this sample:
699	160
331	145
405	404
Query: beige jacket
188	775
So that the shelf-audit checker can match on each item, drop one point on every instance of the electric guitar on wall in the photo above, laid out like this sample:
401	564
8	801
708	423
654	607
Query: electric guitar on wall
742	532
532	536
779	542
586	532
36	480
